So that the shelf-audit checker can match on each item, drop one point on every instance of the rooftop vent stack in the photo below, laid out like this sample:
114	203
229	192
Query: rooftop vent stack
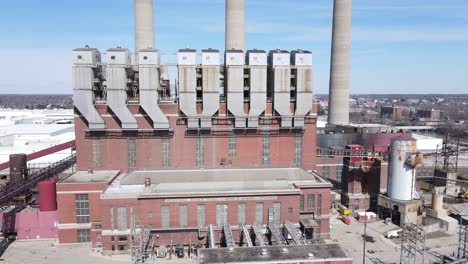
85	75
302	60
234	76
149	85
257	61
338	108
210	77
144	26
187	67
235	24
118	65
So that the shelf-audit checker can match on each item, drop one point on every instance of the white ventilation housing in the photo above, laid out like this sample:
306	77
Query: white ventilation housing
257	61
280	68
187	61
118	66
234	79
149	84
85	66
210	76
302	60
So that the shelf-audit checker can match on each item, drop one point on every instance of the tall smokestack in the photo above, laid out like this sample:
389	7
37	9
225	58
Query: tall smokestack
235	24
144	25
338	104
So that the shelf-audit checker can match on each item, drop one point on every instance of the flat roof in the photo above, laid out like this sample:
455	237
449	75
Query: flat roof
274	254
96	176
215	181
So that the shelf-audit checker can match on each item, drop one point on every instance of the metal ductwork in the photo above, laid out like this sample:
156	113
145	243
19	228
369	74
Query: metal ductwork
280	74
149	84
234	79
338	105
85	69
187	66
144	26
235	25
210	85
118	67
302	60
257	61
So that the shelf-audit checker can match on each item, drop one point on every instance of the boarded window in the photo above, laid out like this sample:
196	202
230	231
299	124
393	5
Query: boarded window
201	214
131	217
298	148
200	151
83	235
310	202
301	201
82	208
164	216
319	204
165	149
266	142
122	218
232	145
221	214
112	218
241	213
277	212
259	213
96	152
131	151
183	215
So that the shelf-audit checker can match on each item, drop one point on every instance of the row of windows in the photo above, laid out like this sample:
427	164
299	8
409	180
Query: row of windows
82	208
311	205
338	172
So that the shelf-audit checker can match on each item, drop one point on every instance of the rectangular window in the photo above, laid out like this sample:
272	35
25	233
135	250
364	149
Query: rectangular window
241	214
277	212
200	151
122	238
96	152
97	226
310	202
298	148
326	172
183	215
266	143
201	214
232	145
82	208
301	203
259	213
319	204
83	235
339	170
131	141
131	217
150	215
318	230
112	218
221	214
166	151
122	218
164	216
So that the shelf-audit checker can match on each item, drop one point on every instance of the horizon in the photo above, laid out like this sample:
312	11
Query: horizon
396	44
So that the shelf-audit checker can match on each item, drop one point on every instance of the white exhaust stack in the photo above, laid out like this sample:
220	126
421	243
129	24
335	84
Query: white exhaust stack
235	25
144	26
338	104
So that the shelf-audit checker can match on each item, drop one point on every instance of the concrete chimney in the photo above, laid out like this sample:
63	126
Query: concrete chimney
338	105
235	25
144	26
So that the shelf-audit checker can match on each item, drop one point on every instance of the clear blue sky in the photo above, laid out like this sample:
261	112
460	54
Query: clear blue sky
399	46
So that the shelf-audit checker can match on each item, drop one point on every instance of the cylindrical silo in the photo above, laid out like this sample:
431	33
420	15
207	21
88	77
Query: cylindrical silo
18	168
401	175
437	200
47	195
235	25
144	25
338	105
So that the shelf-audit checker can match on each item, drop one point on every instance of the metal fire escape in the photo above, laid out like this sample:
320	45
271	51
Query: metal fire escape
260	239
295	234
11	191
463	240
278	238
245	236
140	239
228	237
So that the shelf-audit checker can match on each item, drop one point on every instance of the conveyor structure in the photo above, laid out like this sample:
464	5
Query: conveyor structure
277	237
260	238
295	233
228	237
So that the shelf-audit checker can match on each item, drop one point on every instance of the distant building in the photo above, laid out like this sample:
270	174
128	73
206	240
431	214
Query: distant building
392	112
429	115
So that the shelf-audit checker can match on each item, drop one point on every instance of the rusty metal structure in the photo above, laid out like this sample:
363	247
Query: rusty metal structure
24	186
413	240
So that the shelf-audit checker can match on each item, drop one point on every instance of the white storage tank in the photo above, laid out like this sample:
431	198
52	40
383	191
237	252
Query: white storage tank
401	174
